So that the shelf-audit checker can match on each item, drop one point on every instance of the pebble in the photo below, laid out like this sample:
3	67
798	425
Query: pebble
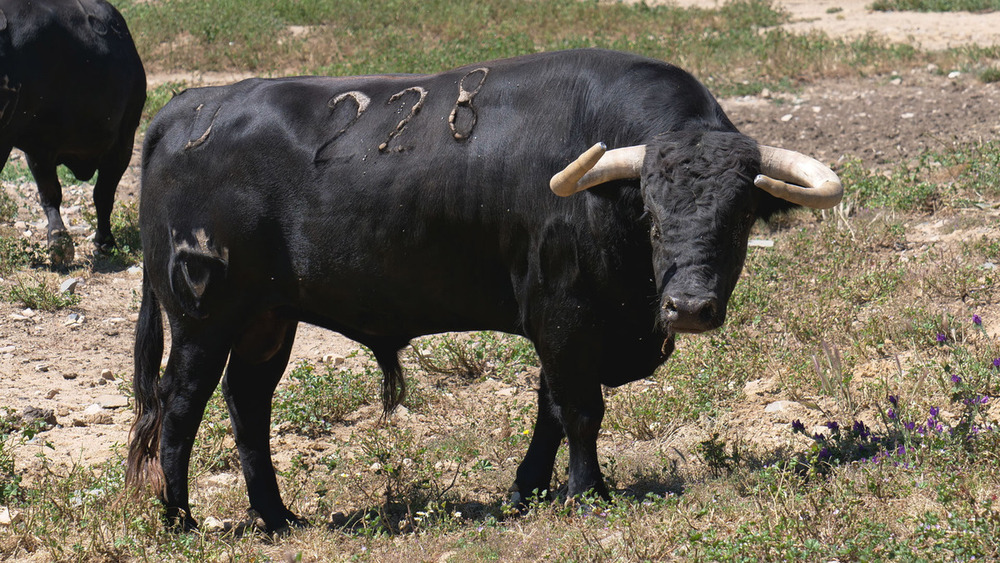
786	117
30	414
107	374
213	524
9	516
954	74
70	375
112	401
69	286
334	359
73	319
760	243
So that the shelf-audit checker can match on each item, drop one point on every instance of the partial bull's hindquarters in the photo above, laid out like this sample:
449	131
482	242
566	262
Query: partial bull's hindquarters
72	89
386	208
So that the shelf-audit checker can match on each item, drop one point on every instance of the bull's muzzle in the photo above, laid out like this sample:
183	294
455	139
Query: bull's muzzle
690	314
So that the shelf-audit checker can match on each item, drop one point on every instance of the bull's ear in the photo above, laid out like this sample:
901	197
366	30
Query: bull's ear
596	166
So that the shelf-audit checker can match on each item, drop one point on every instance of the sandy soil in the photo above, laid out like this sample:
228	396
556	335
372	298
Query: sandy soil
852	18
80	370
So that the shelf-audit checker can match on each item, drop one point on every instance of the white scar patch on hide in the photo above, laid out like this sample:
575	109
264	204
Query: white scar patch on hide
359	98
414	110
202	246
204	136
464	102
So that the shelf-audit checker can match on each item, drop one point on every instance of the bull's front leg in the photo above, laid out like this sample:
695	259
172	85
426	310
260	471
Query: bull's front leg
534	475
570	405
579	405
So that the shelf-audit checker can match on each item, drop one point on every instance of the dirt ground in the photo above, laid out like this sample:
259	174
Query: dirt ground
79	369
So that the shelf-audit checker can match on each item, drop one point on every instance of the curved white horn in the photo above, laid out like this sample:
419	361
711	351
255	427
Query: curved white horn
798	178
596	166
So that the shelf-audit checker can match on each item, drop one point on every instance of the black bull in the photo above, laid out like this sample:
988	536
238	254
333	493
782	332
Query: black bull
72	89
391	207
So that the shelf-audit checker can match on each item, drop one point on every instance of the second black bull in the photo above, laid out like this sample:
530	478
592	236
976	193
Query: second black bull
391	207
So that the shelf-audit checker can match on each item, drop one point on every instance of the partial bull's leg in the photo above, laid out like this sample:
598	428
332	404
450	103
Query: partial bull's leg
255	368
43	168
580	407
192	374
109	173
534	475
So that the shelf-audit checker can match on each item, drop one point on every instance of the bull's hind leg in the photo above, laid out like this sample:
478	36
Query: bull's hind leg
192	374
43	168
109	173
255	367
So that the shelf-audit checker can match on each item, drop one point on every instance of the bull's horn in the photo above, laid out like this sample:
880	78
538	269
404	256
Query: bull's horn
595	166
798	178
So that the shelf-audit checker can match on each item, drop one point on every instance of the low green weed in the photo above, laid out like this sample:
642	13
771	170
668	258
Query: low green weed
316	398
39	294
475	356
17	252
8	207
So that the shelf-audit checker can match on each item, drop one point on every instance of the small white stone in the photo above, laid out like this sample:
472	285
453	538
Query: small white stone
69	286
786	117
954	74
107	374
213	524
8	516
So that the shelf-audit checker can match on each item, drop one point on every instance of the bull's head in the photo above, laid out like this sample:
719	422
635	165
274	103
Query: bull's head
700	196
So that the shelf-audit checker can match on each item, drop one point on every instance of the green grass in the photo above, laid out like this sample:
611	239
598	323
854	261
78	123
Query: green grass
937	5
723	47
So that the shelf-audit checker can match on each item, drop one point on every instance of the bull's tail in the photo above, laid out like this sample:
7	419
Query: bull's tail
144	446
393	382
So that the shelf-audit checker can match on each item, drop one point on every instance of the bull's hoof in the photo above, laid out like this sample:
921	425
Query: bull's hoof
282	526
104	245
178	521
61	250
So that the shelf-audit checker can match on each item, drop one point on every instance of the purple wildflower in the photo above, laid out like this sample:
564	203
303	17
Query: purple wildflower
941	337
797	426
819	437
894	400
823	453
956	379
901	450
860	429
891	414
996	363
977	320
935	411
910	425
983	400
832	425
